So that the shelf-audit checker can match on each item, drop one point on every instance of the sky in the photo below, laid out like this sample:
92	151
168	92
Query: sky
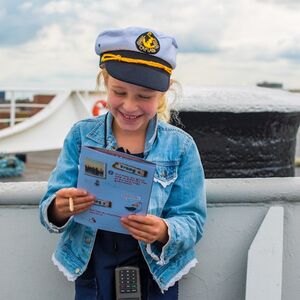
50	44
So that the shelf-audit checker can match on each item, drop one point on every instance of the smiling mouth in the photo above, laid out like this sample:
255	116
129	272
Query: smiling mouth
130	117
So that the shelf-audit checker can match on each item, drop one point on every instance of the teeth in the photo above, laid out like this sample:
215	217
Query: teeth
129	117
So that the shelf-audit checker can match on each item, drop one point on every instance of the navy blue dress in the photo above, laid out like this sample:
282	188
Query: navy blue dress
112	250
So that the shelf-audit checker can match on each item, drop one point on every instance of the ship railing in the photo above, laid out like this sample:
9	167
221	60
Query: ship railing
12	102
249	249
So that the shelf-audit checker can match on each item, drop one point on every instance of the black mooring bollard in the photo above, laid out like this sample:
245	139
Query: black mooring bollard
243	132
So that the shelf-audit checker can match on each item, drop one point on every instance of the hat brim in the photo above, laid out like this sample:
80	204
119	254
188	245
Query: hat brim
141	75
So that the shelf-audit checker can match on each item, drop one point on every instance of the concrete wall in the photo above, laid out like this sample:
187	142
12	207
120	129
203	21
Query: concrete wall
237	207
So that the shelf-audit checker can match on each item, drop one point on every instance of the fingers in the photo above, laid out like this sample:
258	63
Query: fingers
143	236
79	204
71	192
138	231
146	228
70	201
78	208
147	220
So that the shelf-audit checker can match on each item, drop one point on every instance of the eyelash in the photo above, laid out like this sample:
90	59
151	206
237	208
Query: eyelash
144	97
119	93
124	93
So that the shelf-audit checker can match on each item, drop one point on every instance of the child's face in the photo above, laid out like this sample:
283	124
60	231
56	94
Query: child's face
132	106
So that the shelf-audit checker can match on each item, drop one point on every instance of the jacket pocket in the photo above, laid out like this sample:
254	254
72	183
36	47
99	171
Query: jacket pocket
165	173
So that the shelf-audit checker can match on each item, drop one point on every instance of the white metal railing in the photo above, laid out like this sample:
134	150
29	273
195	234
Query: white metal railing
13	104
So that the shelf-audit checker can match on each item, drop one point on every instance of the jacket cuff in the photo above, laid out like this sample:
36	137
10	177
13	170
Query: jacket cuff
50	226
158	251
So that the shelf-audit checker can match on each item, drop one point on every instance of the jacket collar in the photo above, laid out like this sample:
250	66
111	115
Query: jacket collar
107	139
97	133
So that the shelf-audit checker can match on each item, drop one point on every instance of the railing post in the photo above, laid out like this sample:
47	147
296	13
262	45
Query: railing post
12	109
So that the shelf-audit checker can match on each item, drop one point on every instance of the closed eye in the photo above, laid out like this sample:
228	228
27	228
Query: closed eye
119	93
145	97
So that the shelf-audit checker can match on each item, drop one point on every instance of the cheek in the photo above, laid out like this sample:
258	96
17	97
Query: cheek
112	101
152	106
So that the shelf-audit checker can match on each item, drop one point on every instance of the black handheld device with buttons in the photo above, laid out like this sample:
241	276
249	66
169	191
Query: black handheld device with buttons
128	283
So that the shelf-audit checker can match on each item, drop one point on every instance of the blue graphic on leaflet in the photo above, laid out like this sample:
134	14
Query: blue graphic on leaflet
121	183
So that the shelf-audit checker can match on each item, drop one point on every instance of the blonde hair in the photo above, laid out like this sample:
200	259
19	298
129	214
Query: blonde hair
165	111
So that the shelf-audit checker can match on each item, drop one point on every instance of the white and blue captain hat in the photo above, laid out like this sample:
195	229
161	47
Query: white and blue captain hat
136	55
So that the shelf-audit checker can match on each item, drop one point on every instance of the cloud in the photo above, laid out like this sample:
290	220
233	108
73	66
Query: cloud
290	49
194	33
193	24
25	6
287	3
60	7
17	26
21	22
235	41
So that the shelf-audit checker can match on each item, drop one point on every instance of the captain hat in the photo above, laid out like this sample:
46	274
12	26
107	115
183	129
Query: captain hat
137	55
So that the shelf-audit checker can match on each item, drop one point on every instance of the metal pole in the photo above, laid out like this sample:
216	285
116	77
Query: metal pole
12	109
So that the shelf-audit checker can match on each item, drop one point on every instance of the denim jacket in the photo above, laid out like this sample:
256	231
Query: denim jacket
178	196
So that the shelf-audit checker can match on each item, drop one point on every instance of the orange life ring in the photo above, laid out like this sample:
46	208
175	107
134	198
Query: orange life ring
99	104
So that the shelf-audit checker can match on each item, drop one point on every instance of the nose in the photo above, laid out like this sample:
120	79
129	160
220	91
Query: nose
130	104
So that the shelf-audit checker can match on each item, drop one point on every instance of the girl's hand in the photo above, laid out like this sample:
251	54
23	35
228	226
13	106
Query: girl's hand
60	209
147	228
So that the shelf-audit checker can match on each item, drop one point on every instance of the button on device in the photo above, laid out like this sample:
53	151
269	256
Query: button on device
87	240
127	283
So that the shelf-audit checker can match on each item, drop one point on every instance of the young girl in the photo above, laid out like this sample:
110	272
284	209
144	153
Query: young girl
136	66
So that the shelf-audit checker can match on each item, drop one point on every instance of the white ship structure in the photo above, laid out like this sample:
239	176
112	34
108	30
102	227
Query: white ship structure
250	248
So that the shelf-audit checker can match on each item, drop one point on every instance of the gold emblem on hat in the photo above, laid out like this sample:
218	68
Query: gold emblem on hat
147	43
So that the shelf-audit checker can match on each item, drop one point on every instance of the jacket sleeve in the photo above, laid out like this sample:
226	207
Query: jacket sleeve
63	176
185	210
